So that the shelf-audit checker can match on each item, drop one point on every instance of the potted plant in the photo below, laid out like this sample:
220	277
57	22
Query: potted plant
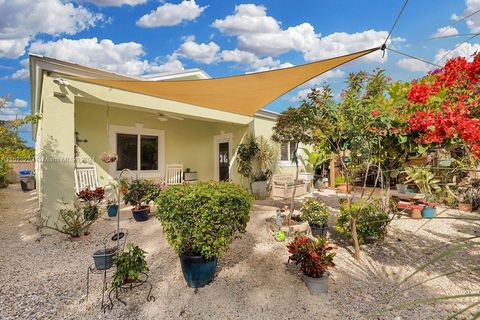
200	220
428	185
316	214
138	193
112	202
90	200
465	200
315	257
108	157
130	265
112	208
103	258
259	185
341	184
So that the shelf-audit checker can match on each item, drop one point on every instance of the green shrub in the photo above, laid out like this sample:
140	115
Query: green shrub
130	264
4	171
339	180
139	191
371	220
203	218
315	212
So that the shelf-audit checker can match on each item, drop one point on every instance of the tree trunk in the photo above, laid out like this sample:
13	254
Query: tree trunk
356	245
292	199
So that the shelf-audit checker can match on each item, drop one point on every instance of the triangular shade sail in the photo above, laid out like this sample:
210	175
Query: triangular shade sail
243	94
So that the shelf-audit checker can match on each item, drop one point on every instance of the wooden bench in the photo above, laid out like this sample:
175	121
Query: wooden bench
283	185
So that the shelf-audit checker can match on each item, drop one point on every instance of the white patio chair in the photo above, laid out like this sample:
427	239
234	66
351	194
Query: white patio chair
174	174
86	177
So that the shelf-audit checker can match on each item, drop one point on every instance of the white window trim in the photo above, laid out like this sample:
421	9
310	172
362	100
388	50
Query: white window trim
226	137
287	163
139	130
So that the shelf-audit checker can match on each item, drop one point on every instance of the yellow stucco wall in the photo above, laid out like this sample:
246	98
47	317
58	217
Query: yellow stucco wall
188	141
56	154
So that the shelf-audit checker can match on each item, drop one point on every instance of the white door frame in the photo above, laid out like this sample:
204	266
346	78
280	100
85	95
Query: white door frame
222	138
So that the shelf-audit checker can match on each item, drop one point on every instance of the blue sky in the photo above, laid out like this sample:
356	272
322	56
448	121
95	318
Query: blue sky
224	38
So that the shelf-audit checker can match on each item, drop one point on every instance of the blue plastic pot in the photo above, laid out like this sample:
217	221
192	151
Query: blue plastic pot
319	230
429	212
197	271
112	210
142	214
103	258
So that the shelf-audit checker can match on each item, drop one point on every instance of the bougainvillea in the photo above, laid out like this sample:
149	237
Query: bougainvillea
445	106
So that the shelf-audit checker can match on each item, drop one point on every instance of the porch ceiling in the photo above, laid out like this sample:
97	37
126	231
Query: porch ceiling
242	95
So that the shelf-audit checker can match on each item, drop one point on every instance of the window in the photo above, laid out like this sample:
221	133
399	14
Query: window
137	151
149	152
127	147
286	150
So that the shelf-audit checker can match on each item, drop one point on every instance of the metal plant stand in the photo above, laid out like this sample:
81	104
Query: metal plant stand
143	279
119	238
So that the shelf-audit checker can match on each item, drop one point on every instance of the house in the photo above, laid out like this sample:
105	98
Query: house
82	120
188	118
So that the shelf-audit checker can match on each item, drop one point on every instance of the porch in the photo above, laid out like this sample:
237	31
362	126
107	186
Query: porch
146	141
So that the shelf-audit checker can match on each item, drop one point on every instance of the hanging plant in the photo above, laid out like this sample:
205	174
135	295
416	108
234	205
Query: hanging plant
108	157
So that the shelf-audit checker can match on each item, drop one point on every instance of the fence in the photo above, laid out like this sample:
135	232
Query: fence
17	166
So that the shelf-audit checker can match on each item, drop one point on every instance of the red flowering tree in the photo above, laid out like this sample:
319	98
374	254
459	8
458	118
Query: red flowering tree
445	106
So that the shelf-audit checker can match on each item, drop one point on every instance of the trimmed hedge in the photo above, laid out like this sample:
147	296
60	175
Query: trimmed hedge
203	218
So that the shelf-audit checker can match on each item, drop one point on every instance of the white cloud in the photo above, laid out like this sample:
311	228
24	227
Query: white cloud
22	73
302	94
267	64
200	52
413	65
342	43
172	65
19	103
248	18
13	48
115	3
332	74
14	109
24	19
446	31
318	81
262	35
171	14
473	22
125	58
466	50
254	63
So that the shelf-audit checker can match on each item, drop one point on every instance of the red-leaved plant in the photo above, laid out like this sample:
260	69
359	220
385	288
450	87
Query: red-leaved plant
92	195
314	256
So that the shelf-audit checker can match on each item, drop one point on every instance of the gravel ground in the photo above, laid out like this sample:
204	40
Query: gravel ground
44	277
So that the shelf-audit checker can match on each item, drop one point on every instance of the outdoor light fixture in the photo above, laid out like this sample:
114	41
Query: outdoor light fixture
61	82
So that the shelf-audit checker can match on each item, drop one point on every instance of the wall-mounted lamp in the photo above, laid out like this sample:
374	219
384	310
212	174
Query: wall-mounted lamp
61	82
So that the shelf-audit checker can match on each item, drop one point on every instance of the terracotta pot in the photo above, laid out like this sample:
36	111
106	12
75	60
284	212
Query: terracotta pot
342	188
416	213
466	207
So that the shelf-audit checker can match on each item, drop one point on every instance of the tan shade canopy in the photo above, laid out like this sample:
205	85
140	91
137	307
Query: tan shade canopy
243	94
